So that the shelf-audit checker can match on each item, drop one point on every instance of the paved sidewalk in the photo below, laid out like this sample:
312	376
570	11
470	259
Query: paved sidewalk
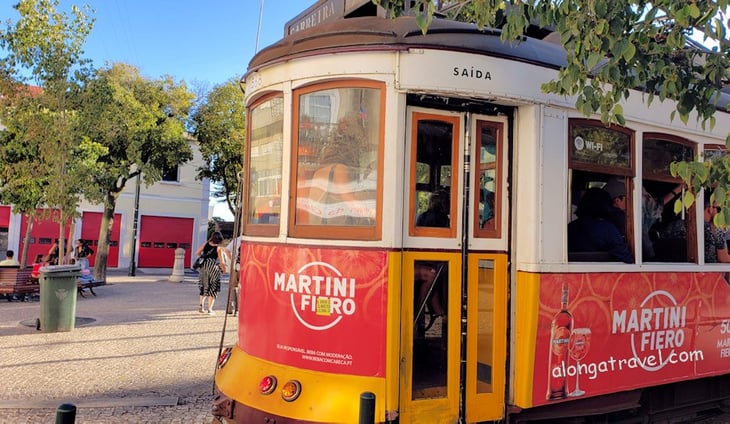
145	356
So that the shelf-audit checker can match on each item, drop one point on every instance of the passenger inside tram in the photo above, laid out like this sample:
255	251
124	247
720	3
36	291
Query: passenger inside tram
593	237
486	217
616	188
715	246
437	214
667	230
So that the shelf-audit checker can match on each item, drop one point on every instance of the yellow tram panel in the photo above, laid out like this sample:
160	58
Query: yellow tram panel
486	337
524	324
392	346
240	379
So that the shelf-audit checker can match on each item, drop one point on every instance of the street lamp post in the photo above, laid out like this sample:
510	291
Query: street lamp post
132	265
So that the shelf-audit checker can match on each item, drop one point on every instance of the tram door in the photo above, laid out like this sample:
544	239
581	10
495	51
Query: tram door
436	373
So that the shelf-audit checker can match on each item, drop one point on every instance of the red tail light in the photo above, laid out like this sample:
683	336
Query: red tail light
267	385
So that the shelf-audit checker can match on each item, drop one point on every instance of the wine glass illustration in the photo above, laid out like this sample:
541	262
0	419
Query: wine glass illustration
580	342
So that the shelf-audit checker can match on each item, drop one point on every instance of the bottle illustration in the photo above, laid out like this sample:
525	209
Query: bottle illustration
560	330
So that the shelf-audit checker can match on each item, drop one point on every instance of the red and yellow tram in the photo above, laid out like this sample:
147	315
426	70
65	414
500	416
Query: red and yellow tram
405	234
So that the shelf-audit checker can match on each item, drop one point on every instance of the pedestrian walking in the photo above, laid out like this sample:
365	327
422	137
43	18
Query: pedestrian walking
213	266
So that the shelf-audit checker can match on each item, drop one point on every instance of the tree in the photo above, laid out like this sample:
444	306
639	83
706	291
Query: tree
44	158
220	128
141	123
613	47
34	177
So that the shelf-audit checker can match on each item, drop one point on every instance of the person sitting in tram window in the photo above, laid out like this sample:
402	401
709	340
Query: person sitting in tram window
593	233
616	188
437	214
669	233
486	219
715	245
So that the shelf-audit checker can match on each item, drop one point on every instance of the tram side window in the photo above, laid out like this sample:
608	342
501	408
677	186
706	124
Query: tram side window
666	235
337	161
601	167
266	129
433	206
717	240
489	154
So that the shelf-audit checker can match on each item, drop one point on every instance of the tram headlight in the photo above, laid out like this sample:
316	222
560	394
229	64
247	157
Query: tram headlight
291	390
225	356
267	385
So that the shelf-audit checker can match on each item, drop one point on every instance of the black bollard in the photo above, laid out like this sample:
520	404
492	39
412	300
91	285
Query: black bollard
66	414
367	408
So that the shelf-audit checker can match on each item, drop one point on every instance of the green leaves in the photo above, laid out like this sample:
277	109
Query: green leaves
39	162
614	48
220	128
621	46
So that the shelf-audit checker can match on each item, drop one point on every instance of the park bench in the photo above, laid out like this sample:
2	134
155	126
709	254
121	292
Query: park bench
17	283
88	285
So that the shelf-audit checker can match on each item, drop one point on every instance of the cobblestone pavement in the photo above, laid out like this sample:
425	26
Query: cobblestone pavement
145	356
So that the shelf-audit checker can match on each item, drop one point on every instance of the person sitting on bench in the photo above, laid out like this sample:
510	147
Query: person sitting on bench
9	259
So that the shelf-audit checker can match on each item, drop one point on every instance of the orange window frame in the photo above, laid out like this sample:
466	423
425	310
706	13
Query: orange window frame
255	229
666	177
498	129
335	232
598	168
414	230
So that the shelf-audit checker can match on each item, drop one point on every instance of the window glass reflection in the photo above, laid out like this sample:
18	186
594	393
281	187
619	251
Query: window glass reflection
485	326
430	348
265	168
337	154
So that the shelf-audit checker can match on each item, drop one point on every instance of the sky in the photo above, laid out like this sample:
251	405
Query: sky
204	43
192	40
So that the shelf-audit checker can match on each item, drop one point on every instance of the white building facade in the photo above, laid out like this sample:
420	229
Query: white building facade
172	214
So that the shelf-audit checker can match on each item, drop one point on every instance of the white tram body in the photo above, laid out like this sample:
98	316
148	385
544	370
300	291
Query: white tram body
504	281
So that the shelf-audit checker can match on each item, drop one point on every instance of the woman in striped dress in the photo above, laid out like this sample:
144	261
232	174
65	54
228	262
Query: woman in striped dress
210	271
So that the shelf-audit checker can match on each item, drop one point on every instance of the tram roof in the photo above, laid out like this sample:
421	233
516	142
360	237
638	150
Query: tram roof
376	33
373	33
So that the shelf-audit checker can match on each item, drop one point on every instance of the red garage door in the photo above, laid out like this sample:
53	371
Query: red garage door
91	223
159	236
42	235
5	217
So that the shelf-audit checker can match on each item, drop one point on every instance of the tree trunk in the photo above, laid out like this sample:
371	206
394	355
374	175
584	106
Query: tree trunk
61	260
105	233
70	245
26	241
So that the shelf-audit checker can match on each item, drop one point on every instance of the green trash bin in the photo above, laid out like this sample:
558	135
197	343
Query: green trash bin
58	297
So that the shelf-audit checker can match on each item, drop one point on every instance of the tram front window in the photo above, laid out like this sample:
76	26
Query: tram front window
337	158
265	166
432	164
429	329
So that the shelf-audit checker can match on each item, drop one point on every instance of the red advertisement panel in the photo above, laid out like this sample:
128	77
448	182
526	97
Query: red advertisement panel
314	308
602	333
